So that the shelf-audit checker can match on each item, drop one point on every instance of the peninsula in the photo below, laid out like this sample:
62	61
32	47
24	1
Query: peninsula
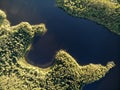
17	74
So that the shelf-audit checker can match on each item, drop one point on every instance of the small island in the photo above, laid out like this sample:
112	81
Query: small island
17	74
104	12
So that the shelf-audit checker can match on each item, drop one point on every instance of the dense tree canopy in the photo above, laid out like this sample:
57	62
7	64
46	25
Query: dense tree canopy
17	74
105	12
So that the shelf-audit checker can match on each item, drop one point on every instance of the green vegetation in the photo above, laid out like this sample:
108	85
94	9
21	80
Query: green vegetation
118	1
17	74
105	12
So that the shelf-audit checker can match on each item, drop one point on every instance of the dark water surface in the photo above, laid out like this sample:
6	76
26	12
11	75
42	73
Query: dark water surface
85	40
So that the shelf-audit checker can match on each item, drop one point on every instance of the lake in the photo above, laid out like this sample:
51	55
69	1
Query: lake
87	41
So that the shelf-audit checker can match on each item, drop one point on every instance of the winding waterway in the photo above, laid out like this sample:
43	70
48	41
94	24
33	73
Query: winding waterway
87	41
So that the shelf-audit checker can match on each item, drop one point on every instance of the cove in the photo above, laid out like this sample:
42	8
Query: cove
83	39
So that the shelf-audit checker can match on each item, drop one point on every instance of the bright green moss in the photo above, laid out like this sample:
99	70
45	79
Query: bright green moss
17	74
105	12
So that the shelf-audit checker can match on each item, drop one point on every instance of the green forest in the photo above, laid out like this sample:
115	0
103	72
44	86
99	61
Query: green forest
104	12
17	74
